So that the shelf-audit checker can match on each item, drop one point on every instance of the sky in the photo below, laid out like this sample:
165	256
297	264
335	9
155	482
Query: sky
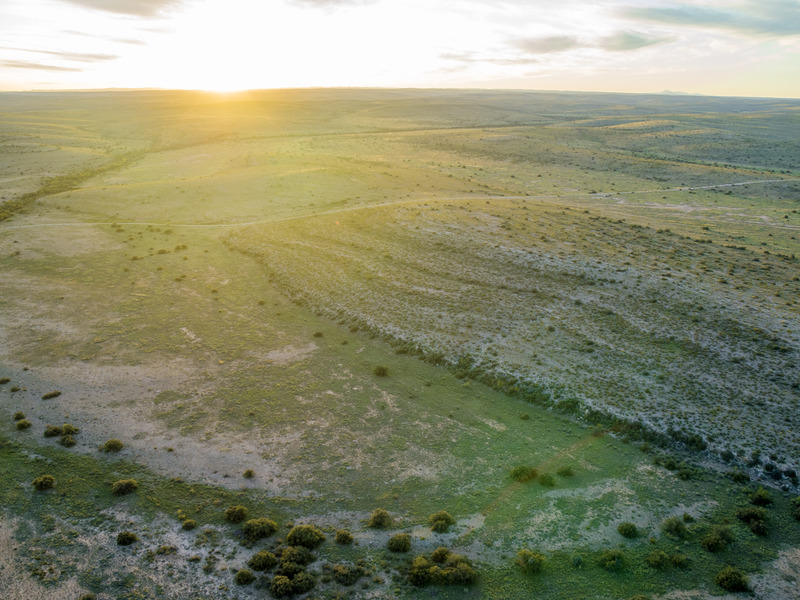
738	48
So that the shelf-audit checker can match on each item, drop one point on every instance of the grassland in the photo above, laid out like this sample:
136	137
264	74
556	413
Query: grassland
549	279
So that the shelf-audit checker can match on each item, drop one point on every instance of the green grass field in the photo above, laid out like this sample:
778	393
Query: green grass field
603	288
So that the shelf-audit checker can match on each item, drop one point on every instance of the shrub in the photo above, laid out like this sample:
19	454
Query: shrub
244	577
126	538
68	429
565	472
18	416
49	395
281	587
52	431
305	535
262	561
257	529
440	521
674	526
400	542
248	474
112	445
124	486
44	482
612	559
738	476
346	575
758	527
732	580
88	596
289	569
67	441
748	514
523	473
379	519
343	537
4	380
717	539
23	424
381	371
627	530
577	560
796	508
760	497
297	554
529	561
657	559
303	582
189	524
547	479
679	560
235	514
455	570
440	554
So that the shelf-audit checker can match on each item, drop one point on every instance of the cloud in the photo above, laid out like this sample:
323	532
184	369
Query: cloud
470	58
547	45
332	3
626	41
24	64
73	56
753	18
131	41
137	8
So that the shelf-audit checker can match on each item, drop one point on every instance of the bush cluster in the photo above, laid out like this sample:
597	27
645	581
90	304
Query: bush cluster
347	575
448	569
658	559
124	486
760	497
612	559
236	514
523	473
627	529
732	580
674	526
440	521
400	542
343	537
717	539
305	535
262	561
257	529
529	561
379	519
44	482
755	519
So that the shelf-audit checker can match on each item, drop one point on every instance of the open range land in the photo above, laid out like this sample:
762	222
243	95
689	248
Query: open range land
570	321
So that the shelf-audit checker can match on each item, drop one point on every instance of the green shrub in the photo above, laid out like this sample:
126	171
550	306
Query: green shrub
289	569
381	371
124	486
577	560
529	561
18	416
400	542
297	554
235	514
49	395
262	561
281	587
68	429
343	537
379	519
4	380
565	472
248	474
305	535
126	538
717	539
738	476
440	521
112	445
612	559
732	580
52	431
760	497
628	530
88	596
303	582
758	527
44	482
674	526
523	473
658	559
456	570
346	575
440	554
547	480
748	514
165	550
796	508
67	441
189	524
244	577
23	424
257	529
679	560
